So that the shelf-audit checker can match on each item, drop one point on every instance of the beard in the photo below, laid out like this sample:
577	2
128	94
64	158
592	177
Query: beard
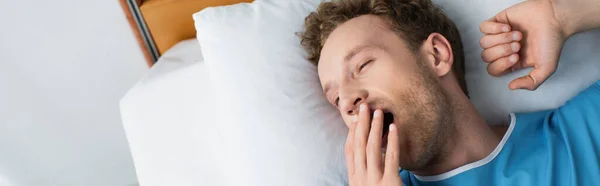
427	115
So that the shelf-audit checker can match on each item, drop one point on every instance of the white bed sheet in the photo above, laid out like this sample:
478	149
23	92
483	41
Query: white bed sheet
168	119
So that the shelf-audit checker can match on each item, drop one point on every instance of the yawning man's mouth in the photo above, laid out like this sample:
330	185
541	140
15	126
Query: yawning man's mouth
388	119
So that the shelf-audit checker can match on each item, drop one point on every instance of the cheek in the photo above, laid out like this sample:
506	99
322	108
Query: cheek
391	78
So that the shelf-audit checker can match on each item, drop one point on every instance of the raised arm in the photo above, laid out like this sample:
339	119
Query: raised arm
531	34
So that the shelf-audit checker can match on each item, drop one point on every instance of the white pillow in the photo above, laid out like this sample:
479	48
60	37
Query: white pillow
277	127
169	122
578	68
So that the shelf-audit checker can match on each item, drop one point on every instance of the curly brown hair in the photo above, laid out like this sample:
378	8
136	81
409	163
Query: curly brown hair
412	20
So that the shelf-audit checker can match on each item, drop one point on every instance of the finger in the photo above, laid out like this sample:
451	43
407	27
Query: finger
488	41
374	145
392	158
349	152
493	27
536	77
360	139
502	65
501	17
497	52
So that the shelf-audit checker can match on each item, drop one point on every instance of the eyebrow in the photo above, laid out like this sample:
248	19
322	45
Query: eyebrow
357	50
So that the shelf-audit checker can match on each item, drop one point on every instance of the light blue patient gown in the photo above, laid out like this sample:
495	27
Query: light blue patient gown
555	147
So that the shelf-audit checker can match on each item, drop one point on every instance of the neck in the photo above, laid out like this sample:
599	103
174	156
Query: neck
472	140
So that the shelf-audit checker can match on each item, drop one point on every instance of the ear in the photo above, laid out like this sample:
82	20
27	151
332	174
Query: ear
438	52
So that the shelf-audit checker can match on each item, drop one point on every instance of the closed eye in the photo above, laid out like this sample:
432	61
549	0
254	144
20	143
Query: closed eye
337	101
364	65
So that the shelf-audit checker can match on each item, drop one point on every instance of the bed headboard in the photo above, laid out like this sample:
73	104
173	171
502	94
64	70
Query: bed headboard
160	24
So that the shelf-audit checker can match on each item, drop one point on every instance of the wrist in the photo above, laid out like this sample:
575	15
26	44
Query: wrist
562	15
576	16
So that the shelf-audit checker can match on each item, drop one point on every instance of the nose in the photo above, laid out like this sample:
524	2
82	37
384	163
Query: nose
350	100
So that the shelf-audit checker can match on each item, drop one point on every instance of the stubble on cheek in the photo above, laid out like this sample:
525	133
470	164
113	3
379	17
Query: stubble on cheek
421	108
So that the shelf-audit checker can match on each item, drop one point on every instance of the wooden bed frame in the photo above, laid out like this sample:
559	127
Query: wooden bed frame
160	24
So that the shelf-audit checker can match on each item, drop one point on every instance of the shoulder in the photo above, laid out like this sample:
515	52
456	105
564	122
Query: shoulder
578	119
584	106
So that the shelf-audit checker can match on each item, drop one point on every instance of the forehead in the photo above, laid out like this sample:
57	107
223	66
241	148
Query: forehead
365	30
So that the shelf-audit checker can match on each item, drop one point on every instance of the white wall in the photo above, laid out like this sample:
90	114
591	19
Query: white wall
64	65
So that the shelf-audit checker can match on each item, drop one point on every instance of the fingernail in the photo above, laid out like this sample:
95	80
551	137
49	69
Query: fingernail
515	47
377	113
363	107
505	29
512	59
392	127
354	118
515	36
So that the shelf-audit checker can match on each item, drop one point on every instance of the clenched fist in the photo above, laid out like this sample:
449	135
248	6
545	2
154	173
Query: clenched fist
527	34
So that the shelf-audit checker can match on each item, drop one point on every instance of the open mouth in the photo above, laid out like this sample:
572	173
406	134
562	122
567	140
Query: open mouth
388	119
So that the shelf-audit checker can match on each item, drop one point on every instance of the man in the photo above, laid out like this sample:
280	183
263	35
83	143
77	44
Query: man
398	65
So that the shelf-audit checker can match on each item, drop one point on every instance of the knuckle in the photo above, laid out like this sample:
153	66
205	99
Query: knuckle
507	49
485	56
348	149
348	153
492	71
481	26
508	37
361	143
482	42
371	147
393	155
